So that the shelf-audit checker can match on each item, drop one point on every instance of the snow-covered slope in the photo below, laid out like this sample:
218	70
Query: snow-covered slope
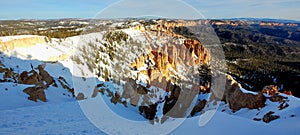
68	118
59	118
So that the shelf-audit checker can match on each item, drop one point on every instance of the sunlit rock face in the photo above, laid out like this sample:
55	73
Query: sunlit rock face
238	99
7	43
165	59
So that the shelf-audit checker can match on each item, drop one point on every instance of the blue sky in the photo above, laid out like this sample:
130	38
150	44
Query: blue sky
48	9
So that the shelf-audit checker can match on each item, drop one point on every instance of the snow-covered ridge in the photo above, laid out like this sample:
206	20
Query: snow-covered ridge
9	38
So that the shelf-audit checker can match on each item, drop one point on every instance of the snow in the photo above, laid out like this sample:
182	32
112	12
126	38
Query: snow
42	52
122	125
38	52
11	91
68	118
118	24
136	34
246	91
61	118
222	123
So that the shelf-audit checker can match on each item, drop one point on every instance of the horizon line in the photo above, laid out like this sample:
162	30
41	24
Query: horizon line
234	18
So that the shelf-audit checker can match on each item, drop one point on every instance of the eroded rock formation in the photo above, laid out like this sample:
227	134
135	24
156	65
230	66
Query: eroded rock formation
238	99
273	90
163	62
270	90
276	96
36	93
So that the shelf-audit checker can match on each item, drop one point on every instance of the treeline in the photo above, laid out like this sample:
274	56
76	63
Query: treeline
50	33
51	28
60	33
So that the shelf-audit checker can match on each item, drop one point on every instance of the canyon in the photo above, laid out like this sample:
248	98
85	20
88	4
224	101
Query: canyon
156	72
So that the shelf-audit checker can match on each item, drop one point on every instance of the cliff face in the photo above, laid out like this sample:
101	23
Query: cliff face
166	28
198	50
26	41
166	60
277	24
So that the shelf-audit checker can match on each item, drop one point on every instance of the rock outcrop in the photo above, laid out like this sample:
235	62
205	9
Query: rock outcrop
180	102
276	96
270	117
31	77
238	99
9	74
40	78
199	107
37	79
36	93
197	49
270	90
287	92
45	76
148	111
65	85
80	96
273	90
115	97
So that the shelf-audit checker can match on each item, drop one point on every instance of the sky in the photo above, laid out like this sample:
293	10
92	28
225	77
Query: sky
210	9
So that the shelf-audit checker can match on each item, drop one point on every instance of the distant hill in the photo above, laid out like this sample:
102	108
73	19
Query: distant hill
262	19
